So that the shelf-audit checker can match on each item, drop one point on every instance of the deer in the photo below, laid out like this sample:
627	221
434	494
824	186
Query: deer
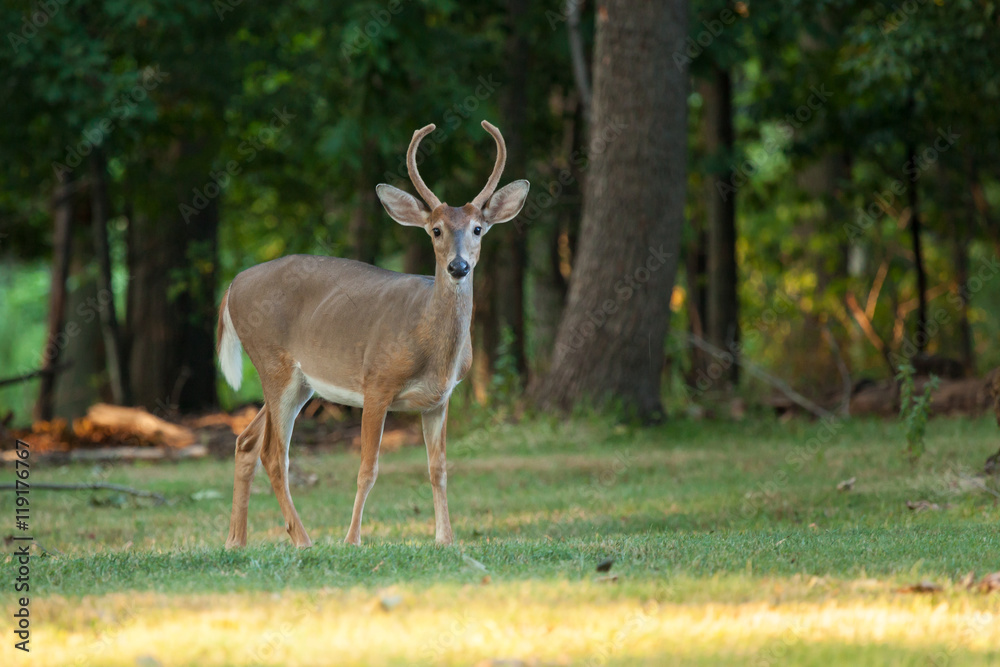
361	336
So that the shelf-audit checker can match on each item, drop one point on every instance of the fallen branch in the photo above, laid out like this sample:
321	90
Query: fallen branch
58	368
94	486
761	374
115	454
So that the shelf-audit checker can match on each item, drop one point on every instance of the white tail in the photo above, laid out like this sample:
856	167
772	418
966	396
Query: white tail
362	336
230	348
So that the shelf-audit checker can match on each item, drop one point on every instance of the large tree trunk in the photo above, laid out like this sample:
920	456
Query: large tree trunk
610	341
62	214
721	323
84	383
171	298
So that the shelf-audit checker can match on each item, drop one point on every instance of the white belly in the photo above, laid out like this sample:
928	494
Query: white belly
335	394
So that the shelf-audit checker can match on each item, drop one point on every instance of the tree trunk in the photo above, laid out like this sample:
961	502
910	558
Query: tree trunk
512	262
100	212
721	324
84	383
62	213
961	262
610	340
367	211
920	337
172	307
419	258
696	268
552	233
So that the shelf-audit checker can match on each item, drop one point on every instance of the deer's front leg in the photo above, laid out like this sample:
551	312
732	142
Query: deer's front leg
372	422
435	424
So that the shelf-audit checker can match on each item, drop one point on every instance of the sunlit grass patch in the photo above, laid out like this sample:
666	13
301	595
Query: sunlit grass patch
536	622
724	552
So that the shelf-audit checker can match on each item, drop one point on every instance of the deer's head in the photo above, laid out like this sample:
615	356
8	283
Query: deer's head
455	231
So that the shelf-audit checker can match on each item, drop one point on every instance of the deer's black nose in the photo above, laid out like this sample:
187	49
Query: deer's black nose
458	268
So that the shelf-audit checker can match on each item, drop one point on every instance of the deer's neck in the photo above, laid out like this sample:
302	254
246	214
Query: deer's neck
448	317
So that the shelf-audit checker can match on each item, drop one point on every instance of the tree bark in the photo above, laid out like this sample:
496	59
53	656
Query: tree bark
62	213
696	270
581	76
920	335
172	307
367	211
961	262
610	340
722	327
513	252
100	213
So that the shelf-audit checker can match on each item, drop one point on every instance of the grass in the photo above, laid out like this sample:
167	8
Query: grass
732	545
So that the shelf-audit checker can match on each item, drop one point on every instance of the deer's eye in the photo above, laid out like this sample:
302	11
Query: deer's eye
477	231
437	232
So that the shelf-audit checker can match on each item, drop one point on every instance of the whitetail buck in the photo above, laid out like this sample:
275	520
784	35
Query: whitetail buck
363	336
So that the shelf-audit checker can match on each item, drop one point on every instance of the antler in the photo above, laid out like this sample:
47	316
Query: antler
491	185
411	166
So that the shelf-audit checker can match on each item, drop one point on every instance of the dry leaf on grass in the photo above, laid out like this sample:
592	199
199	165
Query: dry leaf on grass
390	602
922	587
473	563
922	505
990	583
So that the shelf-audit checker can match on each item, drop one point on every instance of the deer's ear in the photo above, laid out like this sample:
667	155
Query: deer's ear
506	202
402	207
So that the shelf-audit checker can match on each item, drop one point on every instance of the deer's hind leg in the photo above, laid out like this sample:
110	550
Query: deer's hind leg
248	446
274	452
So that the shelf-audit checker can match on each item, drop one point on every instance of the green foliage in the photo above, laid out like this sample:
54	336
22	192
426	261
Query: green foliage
360	76
505	384
914	411
24	289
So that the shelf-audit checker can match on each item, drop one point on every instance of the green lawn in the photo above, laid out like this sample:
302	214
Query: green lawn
731	543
